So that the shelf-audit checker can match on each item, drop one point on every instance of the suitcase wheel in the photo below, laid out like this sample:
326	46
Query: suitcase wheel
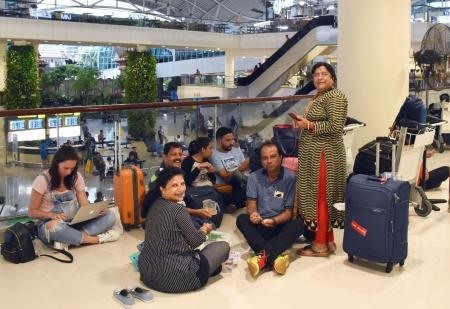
350	258
389	267
401	263
424	209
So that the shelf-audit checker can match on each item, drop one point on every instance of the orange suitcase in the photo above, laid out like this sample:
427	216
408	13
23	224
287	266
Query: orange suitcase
129	191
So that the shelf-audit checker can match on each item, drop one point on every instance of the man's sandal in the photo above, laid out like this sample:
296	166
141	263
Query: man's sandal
309	251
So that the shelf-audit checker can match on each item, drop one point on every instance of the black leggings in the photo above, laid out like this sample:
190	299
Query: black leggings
437	177
211	259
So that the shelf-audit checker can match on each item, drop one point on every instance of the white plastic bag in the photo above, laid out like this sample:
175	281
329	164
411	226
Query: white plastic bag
118	224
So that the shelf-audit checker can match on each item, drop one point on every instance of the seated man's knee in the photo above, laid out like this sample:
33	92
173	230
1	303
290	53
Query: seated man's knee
242	219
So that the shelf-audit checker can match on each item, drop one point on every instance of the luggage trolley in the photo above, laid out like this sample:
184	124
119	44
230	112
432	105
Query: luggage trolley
410	150
350	125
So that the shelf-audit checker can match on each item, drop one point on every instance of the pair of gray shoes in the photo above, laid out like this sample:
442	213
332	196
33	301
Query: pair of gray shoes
126	296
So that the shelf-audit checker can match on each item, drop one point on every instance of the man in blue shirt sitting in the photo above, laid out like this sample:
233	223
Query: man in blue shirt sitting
268	226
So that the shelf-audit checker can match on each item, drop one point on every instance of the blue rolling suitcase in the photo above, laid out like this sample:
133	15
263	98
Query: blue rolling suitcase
376	219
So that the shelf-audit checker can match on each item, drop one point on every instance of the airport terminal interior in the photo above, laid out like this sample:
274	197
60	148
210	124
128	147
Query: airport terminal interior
240	64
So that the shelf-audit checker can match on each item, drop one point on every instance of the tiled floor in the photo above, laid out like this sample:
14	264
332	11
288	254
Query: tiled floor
309	283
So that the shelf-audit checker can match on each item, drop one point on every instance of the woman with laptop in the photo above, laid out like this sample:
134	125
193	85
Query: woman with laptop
168	261
57	196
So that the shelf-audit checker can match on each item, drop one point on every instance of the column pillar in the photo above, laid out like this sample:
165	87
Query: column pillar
374	39
2	65
229	68
3	51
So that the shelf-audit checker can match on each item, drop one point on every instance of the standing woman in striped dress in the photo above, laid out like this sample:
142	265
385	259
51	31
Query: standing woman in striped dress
168	261
321	165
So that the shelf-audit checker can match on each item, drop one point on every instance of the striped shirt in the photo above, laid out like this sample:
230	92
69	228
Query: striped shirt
168	262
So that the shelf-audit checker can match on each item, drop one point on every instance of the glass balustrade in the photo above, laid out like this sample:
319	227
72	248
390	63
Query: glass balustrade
31	135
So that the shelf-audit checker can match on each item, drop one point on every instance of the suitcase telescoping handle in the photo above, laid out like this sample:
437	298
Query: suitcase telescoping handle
377	155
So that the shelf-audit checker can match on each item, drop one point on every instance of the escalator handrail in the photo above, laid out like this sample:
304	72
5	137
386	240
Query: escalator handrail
328	20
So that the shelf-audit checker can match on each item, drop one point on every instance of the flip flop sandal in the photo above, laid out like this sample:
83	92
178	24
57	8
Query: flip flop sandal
124	297
142	294
309	251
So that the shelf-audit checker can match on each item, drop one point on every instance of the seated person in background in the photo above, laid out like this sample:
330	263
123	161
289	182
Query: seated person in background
99	164
435	178
168	261
131	160
134	152
200	179
55	197
109	167
172	155
98	196
268	225
230	166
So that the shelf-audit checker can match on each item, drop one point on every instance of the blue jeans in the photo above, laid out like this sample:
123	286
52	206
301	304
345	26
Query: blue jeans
72	234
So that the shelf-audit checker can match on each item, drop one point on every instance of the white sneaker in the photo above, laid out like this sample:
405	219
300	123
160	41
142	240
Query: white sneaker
108	236
60	246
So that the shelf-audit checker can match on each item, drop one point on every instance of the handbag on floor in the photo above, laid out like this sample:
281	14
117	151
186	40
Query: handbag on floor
18	246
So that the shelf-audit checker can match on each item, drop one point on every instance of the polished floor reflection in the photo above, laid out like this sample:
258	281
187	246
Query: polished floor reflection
309	282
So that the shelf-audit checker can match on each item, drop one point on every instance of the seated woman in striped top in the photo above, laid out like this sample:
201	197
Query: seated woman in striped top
168	261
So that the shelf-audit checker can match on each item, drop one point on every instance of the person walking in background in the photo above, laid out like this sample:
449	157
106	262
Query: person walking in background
187	123
161	135
101	138
233	125
43	151
197	77
172	89
218	122
321	166
210	128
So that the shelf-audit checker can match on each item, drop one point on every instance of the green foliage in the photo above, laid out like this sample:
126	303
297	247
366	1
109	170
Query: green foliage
86	81
52	79
22	82
140	78
141	86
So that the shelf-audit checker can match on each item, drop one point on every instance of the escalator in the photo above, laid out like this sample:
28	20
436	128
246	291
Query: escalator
278	111
317	37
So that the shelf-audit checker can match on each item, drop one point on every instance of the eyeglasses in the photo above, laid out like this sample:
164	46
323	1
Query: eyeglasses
321	74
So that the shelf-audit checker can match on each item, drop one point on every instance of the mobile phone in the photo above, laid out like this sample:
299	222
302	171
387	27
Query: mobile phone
293	116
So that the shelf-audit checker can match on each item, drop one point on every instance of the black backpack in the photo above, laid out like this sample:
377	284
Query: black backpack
18	246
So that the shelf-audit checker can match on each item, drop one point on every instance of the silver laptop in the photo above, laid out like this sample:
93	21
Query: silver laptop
88	212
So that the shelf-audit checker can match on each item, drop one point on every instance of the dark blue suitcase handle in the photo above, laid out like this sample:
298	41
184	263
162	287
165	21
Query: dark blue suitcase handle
374	178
